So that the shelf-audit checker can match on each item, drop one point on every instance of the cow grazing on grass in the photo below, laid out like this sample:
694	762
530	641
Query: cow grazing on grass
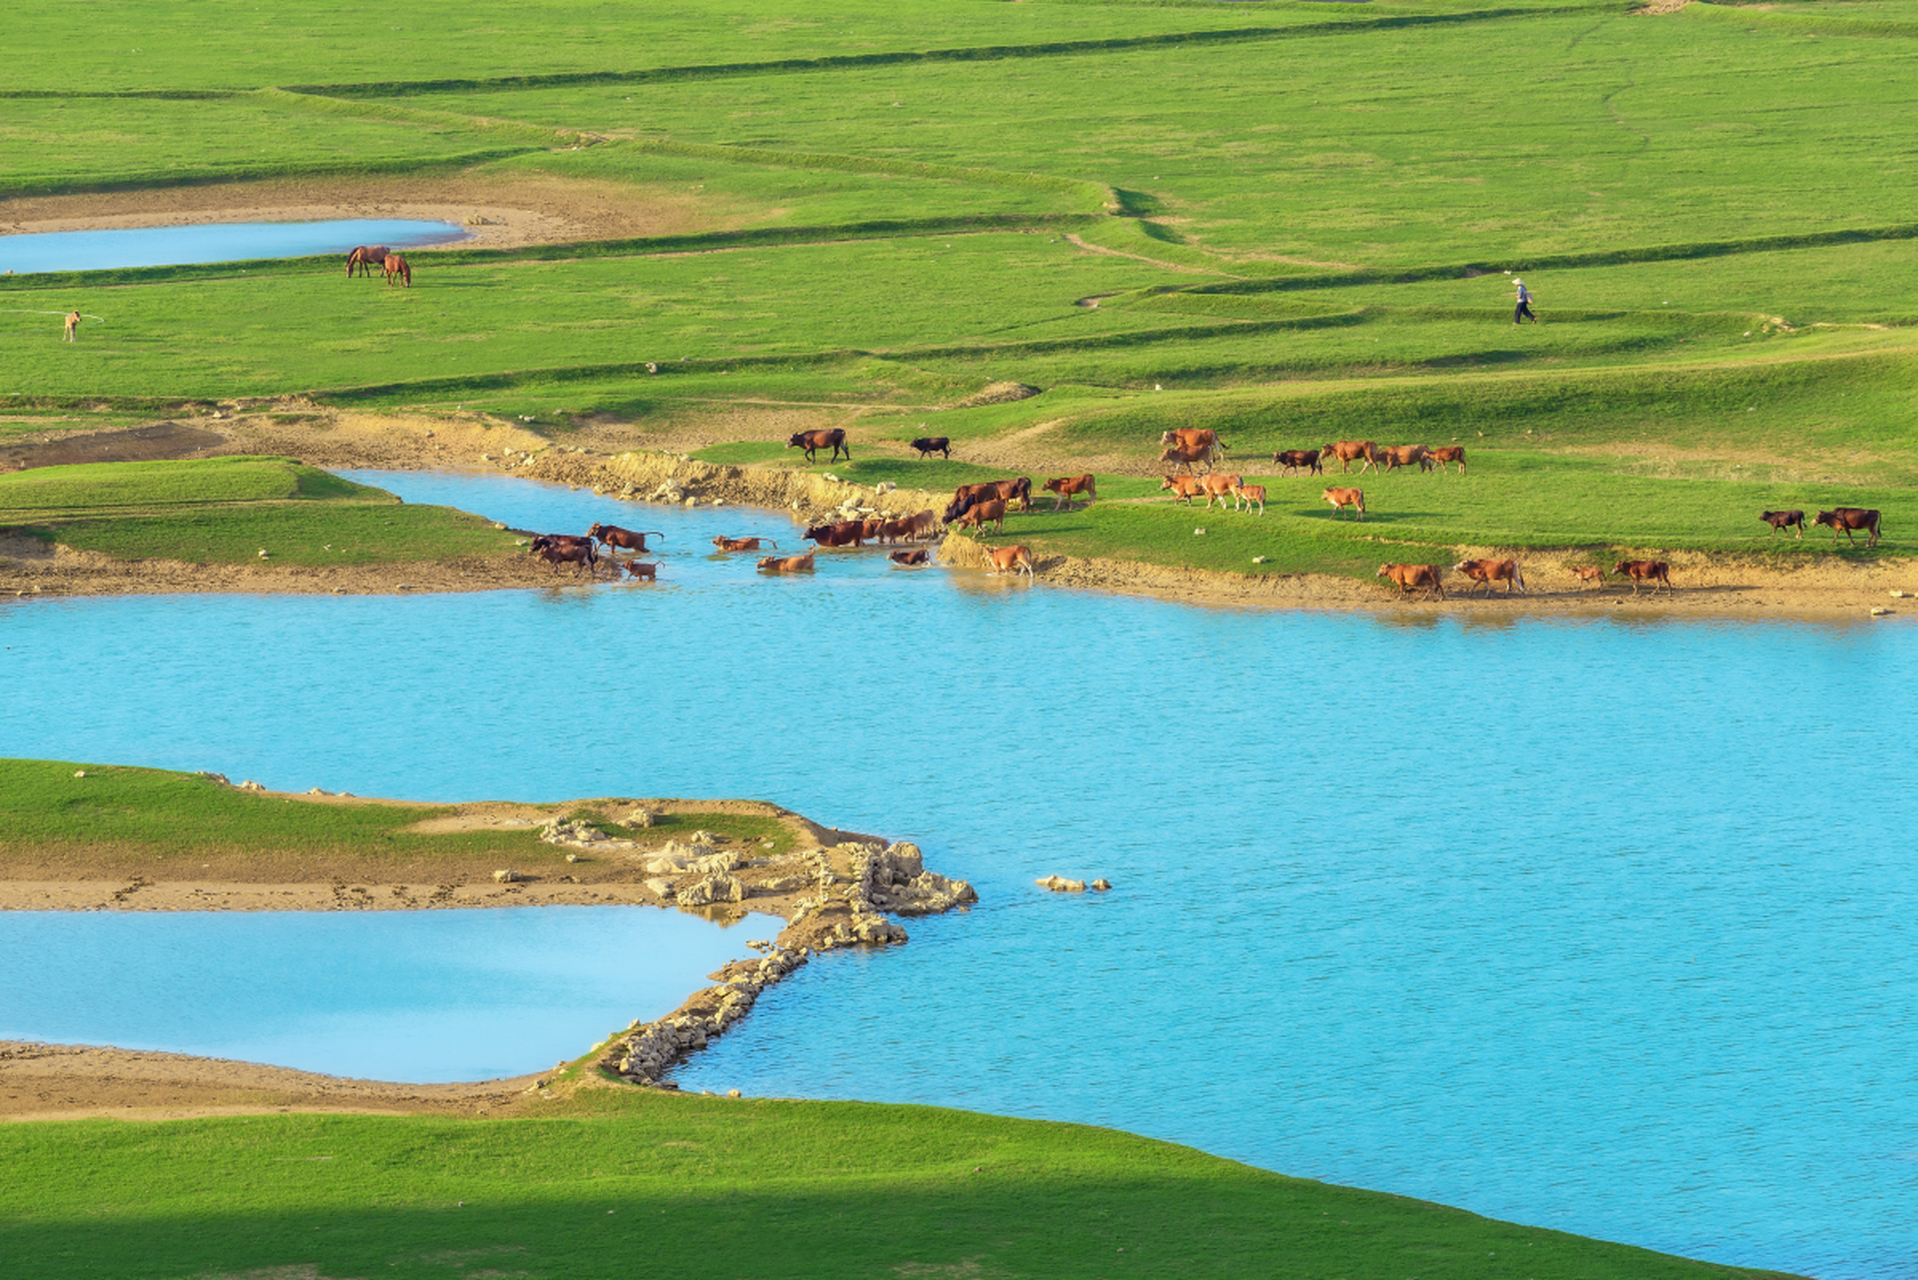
1248	494
1412	577
979	514
645	572
1219	486
1786	520
1293	459
1364	452
813	441
786	564
1848	519
1405	455
612	536
1187	487
1343	498
1486	572
847	533
563	548
1195	438
921	556
929	445
1656	571
1450	453
743	544
1066	488
1188	458
1014	559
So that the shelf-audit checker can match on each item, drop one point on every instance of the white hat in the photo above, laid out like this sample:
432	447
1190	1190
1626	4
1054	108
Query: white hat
1516	280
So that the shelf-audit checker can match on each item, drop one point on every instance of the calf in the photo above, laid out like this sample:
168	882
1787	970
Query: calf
645	572
1411	577
929	445
1183	487
1589	573
921	556
1655	570
924	525
1249	494
1486	572
1787	520
1013	559
1343	498
743	544
786	564
1066	488
1293	459
1849	518
1450	453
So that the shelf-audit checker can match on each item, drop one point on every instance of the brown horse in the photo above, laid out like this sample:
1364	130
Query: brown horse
365	257
396	269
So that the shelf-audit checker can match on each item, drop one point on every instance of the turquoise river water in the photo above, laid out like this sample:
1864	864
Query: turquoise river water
1604	925
213	242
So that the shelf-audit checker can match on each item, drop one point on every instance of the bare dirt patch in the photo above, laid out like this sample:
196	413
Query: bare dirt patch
499	211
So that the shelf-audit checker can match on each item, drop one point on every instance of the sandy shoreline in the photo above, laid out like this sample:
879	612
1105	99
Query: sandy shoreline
632	464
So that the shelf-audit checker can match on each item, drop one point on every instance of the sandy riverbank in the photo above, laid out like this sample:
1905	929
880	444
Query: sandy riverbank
630	462
832	888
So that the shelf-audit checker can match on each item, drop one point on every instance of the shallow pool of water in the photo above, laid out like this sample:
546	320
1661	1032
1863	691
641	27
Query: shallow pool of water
213	242
1600	925
419	996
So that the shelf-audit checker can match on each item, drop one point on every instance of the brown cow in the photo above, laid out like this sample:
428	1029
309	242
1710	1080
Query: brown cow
925	524
1011	559
1066	488
558	548
1486	572
1343	498
921	556
1787	520
979	513
1219	486
786	564
1188	458
812	441
847	533
873	530
1404	455
646	572
1589	573
929	445
1347	450
1186	487
896	530
611	536
1249	494
1411	577
1849	518
743	544
1195	438
1450	453
1293	459
1656	570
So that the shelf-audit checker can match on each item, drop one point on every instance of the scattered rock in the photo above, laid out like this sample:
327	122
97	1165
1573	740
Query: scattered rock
1059	884
250	785
1101	884
508	877
79	773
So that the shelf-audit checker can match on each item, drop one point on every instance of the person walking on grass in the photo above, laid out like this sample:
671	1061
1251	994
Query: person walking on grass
1523	311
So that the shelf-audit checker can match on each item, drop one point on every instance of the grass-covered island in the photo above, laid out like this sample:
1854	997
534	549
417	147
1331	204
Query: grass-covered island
200	1168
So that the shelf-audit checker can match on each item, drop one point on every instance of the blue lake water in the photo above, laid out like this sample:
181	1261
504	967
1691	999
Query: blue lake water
1604	925
213	242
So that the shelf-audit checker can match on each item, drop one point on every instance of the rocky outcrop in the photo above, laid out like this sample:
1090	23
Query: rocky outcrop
849	887
1059	884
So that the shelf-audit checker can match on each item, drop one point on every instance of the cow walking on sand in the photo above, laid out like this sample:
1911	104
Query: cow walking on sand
73	325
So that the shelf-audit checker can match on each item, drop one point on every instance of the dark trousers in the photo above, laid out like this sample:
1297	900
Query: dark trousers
1523	312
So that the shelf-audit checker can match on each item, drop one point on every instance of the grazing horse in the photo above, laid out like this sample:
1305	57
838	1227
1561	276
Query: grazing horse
366	257
396	269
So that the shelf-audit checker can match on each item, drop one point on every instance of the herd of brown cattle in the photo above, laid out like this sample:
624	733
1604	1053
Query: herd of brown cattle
1486	573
